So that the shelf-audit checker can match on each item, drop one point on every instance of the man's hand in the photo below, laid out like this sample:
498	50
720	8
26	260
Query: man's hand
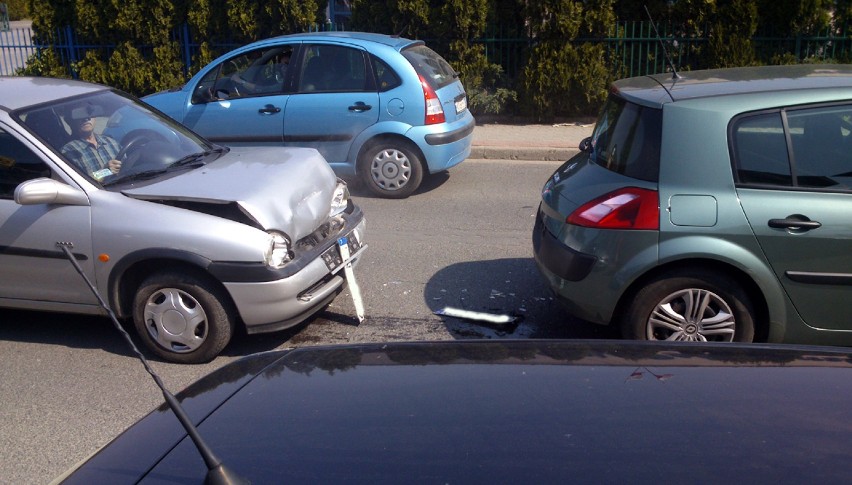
114	166
242	82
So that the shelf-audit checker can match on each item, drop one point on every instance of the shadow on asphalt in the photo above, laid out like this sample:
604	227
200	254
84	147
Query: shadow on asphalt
65	330
511	287
502	286
99	333
430	182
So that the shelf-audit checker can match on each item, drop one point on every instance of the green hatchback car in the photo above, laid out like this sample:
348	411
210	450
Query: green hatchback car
710	206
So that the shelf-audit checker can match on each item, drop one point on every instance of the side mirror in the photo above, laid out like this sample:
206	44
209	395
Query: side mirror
586	144
48	191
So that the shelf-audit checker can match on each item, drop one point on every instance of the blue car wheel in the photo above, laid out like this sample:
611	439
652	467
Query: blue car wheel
391	171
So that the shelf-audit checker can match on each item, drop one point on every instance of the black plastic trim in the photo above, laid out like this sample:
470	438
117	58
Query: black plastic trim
315	138
558	258
834	279
245	139
450	137
38	253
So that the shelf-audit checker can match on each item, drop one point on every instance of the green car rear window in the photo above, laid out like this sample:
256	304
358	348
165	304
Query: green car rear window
431	66
627	139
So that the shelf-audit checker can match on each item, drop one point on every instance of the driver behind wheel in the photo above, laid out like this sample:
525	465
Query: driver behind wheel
94	153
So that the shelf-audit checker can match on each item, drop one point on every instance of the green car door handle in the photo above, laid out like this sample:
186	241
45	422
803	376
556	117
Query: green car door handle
793	223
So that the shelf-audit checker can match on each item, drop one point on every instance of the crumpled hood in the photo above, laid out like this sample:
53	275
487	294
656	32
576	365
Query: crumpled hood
283	189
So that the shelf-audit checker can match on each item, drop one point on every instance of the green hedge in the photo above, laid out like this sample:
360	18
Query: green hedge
17	9
562	68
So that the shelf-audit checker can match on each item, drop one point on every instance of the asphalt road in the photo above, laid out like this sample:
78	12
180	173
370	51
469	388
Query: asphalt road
69	384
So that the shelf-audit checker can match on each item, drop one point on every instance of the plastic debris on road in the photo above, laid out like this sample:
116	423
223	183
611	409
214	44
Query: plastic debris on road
476	316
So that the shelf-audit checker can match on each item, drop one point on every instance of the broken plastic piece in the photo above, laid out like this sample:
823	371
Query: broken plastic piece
478	316
350	279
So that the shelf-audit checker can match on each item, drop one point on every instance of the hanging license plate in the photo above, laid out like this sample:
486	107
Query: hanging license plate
331	256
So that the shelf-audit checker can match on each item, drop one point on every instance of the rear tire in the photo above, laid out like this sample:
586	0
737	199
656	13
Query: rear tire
182	317
695	306
390	170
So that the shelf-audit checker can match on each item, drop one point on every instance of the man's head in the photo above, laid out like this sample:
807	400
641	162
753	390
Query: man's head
81	119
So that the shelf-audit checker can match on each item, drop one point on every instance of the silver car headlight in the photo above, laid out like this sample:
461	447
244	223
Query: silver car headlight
278	253
340	199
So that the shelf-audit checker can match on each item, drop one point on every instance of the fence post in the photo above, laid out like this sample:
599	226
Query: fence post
187	56
799	47
4	17
72	51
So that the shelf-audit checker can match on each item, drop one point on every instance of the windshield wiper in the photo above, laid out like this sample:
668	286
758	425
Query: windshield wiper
145	175
195	157
189	159
193	160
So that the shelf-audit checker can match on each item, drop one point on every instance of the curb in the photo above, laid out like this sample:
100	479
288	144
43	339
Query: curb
546	154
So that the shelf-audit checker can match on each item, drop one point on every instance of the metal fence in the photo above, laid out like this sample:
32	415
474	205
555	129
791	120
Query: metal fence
16	46
632	48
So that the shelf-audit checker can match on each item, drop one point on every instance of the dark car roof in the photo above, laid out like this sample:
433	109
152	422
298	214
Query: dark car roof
663	88
506	411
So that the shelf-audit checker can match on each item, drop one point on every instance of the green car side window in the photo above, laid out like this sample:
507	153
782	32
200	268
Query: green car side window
821	139
761	151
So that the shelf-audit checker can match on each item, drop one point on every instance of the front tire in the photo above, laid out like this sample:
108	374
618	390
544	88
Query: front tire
692	306
182	317
390	170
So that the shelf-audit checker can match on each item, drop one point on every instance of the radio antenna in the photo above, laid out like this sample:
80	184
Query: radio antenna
675	75
217	472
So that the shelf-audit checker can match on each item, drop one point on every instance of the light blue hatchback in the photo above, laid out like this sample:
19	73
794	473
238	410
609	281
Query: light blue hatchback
384	108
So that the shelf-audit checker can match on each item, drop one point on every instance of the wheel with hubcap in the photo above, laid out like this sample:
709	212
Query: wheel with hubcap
391	171
691	306
182	317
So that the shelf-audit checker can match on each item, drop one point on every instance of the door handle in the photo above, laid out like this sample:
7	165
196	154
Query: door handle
360	107
269	110
794	223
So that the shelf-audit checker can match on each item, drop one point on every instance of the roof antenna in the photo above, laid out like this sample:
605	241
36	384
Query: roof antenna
675	75
401	29
217	472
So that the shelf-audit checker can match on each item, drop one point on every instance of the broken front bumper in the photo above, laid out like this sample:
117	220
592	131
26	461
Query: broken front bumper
276	304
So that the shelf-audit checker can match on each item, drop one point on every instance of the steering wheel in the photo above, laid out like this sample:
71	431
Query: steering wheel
235	68
129	155
132	143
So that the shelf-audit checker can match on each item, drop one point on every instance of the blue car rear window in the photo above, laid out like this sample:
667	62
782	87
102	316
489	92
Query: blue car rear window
627	139
431	66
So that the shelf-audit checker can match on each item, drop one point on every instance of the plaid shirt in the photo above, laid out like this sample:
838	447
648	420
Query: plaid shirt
90	158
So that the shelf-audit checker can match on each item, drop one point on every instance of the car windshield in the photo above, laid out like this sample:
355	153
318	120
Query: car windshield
627	139
94	132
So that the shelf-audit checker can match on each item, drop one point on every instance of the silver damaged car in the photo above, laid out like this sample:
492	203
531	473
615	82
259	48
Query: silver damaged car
186	238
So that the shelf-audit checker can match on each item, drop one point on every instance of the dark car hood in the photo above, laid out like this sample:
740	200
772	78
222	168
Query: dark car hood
284	189
498	411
